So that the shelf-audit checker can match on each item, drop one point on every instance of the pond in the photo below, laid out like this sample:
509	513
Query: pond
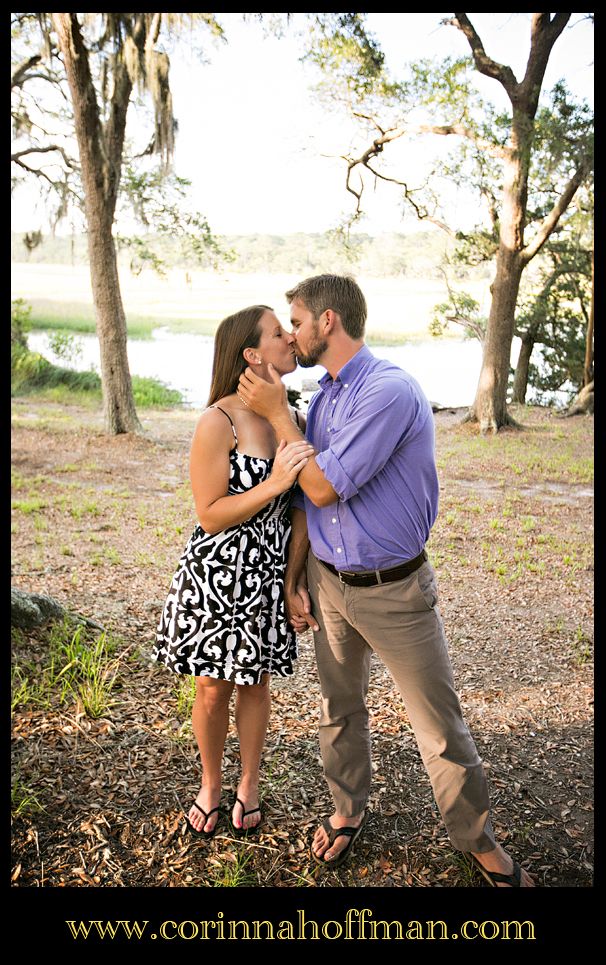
446	369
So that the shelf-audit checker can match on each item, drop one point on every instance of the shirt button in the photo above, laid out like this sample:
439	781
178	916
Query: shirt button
339	550
346	385
334	519
334	401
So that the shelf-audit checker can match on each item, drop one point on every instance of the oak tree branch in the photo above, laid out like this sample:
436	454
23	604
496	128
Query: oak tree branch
530	250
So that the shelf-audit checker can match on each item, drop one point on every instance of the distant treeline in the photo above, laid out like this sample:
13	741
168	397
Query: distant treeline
388	255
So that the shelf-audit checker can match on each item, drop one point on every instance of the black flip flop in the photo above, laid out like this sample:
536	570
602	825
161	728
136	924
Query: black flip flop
492	877
334	833
202	833
241	832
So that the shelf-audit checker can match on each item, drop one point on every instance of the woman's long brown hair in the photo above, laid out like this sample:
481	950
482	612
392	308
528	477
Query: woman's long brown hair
234	334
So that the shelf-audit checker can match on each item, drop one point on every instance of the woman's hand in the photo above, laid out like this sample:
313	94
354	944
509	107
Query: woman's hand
289	461
298	607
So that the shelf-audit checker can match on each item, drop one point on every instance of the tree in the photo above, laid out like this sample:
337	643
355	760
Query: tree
557	319
554	310
588	367
453	107
105	58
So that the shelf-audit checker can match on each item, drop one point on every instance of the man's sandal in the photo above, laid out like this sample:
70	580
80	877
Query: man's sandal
334	833
243	831
201	833
492	877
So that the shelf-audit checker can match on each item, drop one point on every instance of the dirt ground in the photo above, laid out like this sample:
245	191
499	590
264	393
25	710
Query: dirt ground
99	523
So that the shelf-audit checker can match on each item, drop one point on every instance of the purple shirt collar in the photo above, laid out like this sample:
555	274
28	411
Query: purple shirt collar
349	371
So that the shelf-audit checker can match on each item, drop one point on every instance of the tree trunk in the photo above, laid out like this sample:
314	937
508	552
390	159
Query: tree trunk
490	404
582	404
489	407
101	160
29	610
118	402
520	379
588	369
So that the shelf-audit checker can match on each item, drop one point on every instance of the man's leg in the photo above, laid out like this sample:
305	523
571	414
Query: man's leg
343	660
403	626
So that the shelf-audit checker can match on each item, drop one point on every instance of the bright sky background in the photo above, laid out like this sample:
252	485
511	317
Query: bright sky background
275	162
262	154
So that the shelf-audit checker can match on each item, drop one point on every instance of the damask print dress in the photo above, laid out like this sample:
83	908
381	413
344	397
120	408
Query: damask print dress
225	616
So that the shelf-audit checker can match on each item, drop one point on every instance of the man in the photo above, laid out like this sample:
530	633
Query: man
371	498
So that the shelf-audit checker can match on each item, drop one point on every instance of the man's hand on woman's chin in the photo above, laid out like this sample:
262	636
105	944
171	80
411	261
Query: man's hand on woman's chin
268	399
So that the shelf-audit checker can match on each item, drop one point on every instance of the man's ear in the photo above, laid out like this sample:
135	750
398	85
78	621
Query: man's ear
329	321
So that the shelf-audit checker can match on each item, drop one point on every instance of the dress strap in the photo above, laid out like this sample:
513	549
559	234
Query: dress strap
233	428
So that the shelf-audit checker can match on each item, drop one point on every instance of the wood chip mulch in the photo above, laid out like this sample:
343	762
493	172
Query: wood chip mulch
112	790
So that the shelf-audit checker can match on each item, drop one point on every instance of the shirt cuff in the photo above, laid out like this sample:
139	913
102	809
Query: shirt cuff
344	487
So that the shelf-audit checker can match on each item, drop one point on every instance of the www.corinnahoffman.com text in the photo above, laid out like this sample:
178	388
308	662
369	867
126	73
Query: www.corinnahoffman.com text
357	924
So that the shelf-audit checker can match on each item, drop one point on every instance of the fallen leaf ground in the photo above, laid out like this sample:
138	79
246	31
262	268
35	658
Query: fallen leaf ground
98	522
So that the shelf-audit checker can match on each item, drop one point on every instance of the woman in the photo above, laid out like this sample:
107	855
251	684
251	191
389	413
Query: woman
224	620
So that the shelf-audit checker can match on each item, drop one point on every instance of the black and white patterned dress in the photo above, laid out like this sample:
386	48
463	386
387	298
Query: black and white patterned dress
225	616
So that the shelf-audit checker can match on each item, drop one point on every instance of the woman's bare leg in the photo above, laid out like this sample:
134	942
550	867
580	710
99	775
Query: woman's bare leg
253	704
210	721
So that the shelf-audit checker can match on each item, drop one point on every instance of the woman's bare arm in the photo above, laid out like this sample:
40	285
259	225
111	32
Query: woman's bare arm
209	475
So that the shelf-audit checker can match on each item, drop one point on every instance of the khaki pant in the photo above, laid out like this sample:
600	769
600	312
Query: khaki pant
400	622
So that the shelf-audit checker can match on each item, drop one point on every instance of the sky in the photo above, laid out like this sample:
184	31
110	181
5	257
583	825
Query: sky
263	155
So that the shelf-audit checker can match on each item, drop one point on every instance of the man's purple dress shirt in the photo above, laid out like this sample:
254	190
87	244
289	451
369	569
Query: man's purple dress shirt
374	431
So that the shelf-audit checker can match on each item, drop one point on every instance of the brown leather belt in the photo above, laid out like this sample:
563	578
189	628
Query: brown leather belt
376	577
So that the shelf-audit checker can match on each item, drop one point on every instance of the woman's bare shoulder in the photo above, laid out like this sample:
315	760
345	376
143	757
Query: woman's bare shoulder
214	425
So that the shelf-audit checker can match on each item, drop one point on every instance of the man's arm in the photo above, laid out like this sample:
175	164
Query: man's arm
269	399
298	603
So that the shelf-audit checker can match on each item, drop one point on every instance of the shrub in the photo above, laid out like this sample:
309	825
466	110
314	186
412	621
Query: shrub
151	392
20	323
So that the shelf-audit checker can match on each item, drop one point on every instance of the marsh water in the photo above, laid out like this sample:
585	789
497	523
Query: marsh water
447	369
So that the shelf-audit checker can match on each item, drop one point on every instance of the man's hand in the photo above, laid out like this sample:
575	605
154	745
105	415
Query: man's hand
298	608
265	398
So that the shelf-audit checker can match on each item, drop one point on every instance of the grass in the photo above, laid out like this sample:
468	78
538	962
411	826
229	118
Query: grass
582	647
232	872
34	375
32	505
509	544
185	692
150	392
74	667
534	455
24	800
467	872
106	555
88	507
79	318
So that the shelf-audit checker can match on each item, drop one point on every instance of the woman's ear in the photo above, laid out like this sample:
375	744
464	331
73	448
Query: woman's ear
251	356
